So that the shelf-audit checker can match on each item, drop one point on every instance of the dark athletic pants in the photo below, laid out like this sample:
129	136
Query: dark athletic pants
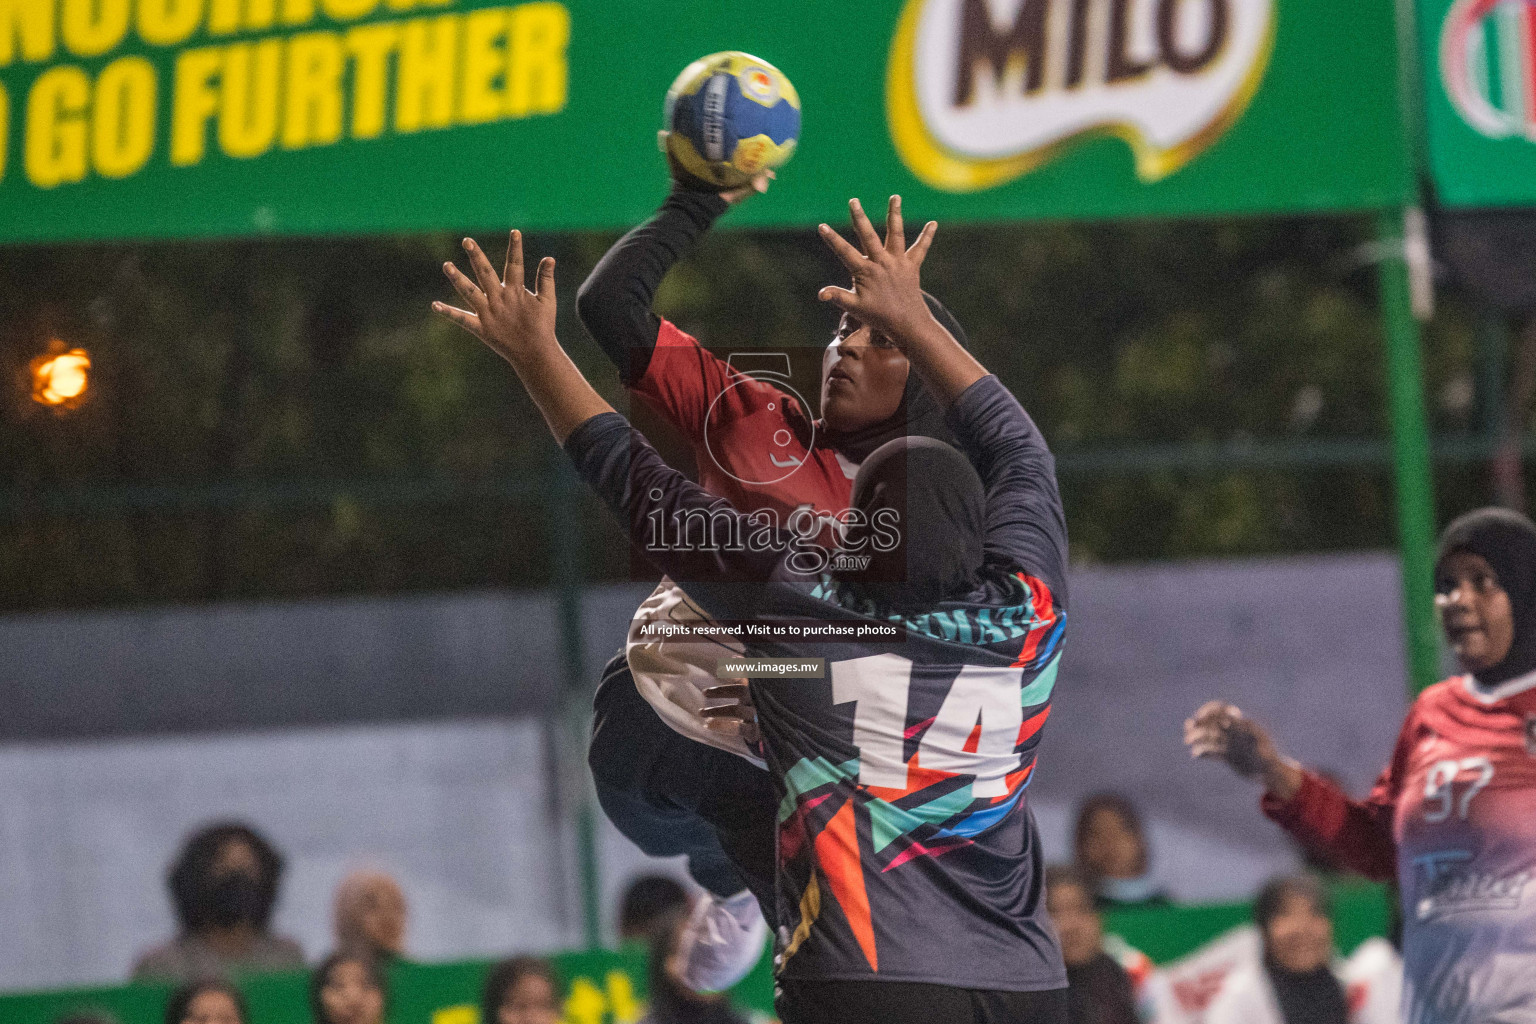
906	1002
671	795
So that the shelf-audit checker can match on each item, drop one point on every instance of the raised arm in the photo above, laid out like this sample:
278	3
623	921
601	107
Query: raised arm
684	530
1025	526
519	325
615	300
887	294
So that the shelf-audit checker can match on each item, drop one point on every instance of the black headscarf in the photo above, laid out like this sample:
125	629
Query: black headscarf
1507	541
919	412
936	500
1313	997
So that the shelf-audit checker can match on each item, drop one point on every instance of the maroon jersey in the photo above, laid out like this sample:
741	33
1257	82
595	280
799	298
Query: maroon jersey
1453	818
754	441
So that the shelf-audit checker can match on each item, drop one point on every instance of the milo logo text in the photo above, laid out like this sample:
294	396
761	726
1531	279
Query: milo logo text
982	91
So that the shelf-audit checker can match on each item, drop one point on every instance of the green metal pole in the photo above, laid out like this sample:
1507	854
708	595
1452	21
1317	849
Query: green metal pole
574	694
1410	450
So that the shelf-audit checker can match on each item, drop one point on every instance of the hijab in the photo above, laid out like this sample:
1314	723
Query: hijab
919	412
1507	541
1306	997
934	499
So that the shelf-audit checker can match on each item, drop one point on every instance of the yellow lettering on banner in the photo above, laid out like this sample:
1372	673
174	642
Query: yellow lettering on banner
537	72
226	17
348	10
585	1004
248	98
621	998
168	22
370	46
55	148
424	73
193	102
123	117
298	12
312	100
31	21
92	27
482	89
260	14
5	127
223	17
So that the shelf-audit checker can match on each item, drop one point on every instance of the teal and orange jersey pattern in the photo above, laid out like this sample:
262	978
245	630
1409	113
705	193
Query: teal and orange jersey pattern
914	857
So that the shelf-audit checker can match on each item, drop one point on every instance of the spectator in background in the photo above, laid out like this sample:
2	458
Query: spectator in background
648	901
348	988
370	914
206	1002
673	1002
522	990
1112	855
1099	991
223	888
1294	982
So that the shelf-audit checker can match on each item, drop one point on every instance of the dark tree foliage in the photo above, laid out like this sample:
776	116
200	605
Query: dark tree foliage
287	418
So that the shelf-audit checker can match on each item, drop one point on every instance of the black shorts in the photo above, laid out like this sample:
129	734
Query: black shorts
910	1002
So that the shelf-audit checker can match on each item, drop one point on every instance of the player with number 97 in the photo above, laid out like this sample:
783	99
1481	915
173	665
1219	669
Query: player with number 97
1452	818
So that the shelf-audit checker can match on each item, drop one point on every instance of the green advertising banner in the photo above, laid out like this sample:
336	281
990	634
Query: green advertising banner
185	118
1479	61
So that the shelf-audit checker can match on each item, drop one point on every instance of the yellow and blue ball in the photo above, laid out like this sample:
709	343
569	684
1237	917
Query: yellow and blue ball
730	117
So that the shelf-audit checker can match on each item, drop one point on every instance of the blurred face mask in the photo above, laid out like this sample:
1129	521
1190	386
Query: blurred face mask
234	898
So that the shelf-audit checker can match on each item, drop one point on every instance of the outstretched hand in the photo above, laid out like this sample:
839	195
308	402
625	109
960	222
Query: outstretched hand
519	325
514	322
1219	731
887	292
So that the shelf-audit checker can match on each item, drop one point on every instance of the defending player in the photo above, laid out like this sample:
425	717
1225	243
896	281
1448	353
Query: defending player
909	881
1453	815
657	765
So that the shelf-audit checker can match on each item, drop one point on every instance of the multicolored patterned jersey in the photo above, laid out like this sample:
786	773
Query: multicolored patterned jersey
1453	816
907	851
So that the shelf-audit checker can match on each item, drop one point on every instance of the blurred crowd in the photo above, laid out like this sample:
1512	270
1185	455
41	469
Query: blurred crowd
1282	968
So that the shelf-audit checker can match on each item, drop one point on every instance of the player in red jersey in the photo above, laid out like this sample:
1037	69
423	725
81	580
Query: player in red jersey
1453	816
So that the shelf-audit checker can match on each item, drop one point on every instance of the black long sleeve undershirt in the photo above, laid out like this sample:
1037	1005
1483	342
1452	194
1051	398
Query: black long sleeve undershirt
615	300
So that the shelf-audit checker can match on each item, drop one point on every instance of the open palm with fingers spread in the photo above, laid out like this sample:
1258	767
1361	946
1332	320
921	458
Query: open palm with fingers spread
887	291
510	319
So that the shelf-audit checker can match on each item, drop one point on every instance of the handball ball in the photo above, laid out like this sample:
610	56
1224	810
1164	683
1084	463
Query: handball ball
729	118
